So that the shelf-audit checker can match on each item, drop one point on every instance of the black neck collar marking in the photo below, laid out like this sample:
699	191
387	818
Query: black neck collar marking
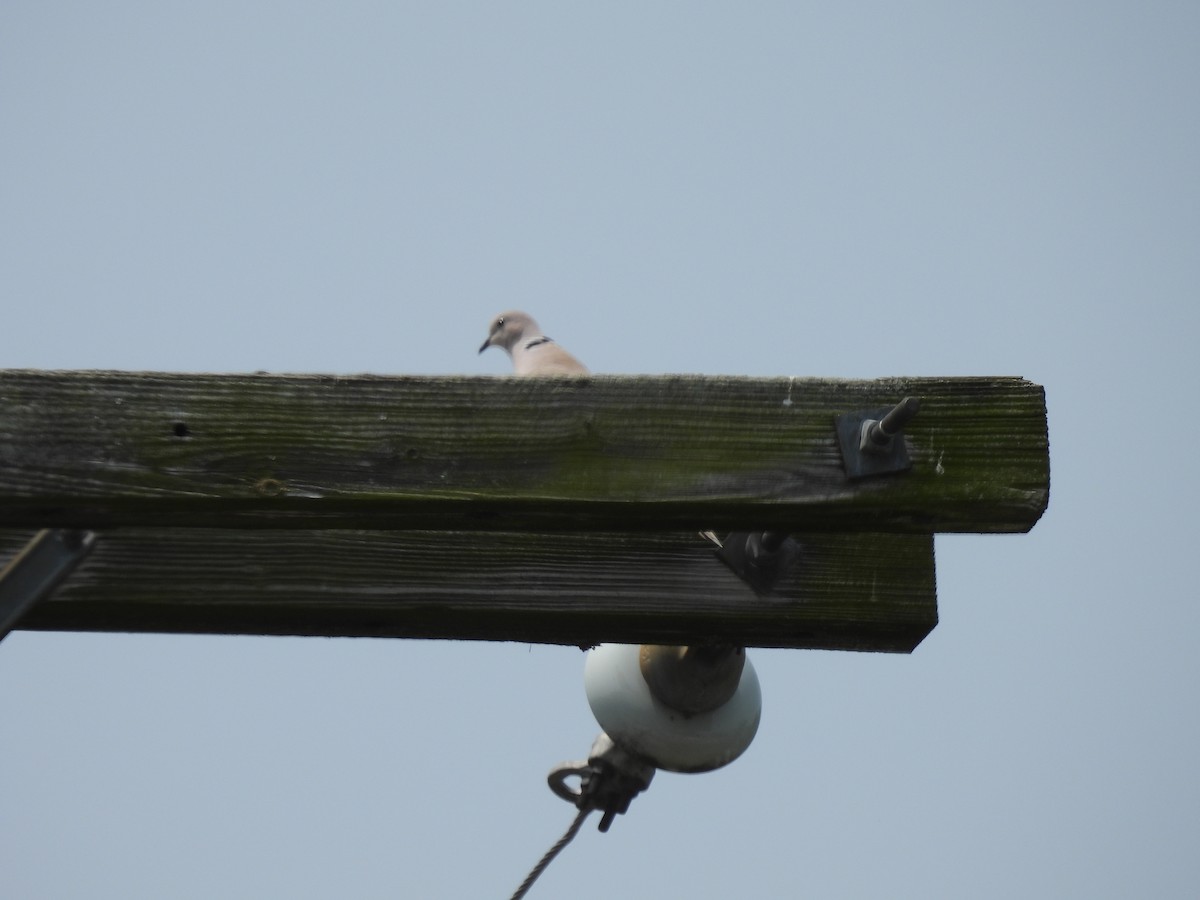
539	340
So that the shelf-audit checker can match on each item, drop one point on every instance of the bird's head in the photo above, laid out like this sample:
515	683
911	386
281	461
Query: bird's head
508	328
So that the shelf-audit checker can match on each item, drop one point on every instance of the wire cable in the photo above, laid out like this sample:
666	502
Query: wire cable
551	853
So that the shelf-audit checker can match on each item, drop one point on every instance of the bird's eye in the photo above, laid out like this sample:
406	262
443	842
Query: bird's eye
500	321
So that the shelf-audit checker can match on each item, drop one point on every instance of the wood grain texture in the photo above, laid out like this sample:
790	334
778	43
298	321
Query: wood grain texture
849	591
604	453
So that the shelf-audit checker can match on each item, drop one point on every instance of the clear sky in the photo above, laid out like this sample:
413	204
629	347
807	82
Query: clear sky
849	190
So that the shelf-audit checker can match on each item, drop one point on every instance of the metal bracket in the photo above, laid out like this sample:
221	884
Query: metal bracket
759	558
40	567
609	780
872	440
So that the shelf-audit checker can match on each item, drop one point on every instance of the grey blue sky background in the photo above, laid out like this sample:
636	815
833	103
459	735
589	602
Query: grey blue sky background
849	190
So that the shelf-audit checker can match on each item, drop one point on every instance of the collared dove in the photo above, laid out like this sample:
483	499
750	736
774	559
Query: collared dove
531	351
535	354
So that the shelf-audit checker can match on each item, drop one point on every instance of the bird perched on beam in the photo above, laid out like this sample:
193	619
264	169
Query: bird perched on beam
532	353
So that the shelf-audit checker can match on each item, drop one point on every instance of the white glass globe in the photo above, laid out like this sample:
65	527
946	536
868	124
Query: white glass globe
623	705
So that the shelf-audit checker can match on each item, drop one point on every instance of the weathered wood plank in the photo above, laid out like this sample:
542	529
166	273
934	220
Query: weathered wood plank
848	591
606	453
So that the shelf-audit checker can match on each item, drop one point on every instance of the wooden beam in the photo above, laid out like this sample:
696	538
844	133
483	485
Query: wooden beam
848	591
604	453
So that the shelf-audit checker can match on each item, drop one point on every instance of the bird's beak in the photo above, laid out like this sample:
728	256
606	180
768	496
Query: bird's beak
486	344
